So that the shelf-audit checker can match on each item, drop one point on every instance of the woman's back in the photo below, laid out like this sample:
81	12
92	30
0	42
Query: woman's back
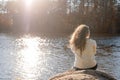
87	59
84	48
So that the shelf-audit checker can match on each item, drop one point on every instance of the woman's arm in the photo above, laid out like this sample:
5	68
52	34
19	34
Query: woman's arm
94	47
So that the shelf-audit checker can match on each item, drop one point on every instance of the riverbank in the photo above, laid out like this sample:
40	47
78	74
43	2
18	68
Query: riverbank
104	35
93	35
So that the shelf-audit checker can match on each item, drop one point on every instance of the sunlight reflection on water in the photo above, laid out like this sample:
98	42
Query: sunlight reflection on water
28	57
38	58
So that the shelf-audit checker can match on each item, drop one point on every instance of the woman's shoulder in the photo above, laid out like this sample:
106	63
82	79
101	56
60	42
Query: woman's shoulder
91	41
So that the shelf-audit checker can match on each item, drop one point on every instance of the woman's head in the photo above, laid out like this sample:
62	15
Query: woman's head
78	38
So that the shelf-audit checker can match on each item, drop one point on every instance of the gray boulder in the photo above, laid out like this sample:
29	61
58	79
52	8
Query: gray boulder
83	75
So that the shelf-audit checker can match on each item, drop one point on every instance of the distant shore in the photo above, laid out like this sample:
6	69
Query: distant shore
57	34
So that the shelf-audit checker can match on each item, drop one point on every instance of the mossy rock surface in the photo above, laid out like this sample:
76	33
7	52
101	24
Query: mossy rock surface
83	75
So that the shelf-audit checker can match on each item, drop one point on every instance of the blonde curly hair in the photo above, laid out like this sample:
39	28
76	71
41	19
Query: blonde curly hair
79	36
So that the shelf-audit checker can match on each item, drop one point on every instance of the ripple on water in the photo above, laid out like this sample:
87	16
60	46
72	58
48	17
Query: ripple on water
34	57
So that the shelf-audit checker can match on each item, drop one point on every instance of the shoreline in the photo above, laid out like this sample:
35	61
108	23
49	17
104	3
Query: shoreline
93	35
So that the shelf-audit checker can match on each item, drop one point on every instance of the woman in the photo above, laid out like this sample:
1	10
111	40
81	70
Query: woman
84	48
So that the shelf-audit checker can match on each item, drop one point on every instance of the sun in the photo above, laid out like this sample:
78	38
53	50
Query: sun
28	2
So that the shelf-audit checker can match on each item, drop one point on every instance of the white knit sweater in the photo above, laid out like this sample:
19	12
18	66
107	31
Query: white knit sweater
87	60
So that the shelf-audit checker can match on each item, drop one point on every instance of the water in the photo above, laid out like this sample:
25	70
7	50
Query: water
38	58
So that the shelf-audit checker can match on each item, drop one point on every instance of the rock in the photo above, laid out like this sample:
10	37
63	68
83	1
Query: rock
83	75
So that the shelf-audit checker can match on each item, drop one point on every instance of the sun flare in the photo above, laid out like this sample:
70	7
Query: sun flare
28	2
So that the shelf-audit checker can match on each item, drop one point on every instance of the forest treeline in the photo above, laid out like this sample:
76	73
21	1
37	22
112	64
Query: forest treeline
59	16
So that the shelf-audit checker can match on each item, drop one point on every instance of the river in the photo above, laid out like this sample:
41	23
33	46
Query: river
31	57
